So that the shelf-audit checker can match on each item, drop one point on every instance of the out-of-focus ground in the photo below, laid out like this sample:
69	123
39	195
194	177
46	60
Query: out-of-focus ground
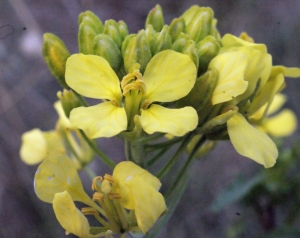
28	91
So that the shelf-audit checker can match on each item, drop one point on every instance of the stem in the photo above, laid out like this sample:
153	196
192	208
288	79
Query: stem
167	143
172	161
186	165
157	156
81	99
99	152
135	151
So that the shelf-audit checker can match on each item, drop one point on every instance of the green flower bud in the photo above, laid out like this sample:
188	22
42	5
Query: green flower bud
137	51
189	14
150	32
207	49
161	41
214	31
95	22
55	54
176	27
86	35
181	41
123	29
105	47
69	101
111	28
199	23
126	42
201	92
155	18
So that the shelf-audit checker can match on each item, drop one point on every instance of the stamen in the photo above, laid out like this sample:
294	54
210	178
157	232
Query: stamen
114	196
89	211
109	178
98	196
94	183
133	81
105	187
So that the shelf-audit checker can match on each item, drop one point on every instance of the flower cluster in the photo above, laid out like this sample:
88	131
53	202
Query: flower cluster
167	84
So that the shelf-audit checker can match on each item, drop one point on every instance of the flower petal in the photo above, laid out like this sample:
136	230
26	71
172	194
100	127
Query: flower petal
149	203
36	145
282	124
173	121
125	171
92	76
231	69
102	120
169	76
69	217
63	120
250	142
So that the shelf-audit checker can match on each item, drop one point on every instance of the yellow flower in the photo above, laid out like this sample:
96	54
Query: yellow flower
169	76
248	79
138	190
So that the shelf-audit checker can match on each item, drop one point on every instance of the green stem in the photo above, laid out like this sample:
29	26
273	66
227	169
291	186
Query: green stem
172	161
156	157
135	151
186	165
81	99
151	147
99	152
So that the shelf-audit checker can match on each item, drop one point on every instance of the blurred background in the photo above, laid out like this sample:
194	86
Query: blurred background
28	91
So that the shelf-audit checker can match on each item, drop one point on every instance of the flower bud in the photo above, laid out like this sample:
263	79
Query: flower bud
185	45
111	28
136	50
95	22
207	49
201	92
69	101
55	54
155	18
161	41
199	22
176	27
123	29
150	32
105	47
180	42
86	34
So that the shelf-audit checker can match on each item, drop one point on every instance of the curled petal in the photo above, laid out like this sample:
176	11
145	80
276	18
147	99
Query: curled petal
69	217
282	124
92	76
125	171
63	120
231	68
173	121
102	120
149	203
169	76
250	142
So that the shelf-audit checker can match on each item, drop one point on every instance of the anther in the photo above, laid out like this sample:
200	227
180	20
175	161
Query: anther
89	211
94	183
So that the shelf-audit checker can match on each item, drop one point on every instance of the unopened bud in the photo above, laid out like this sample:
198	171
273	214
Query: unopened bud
55	54
199	23
105	47
181	41
123	29
69	101
161	41
111	28
137	51
176	27
155	18
207	49
86	35
95	22
150	32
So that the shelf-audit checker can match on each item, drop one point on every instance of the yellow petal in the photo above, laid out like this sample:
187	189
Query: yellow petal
126	170
265	96
69	217
231	40
173	121
169	76
92	76
34	147
282	124
102	120
149	203
231	69
287	72
63	120
277	103
250	142
37	145
57	174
